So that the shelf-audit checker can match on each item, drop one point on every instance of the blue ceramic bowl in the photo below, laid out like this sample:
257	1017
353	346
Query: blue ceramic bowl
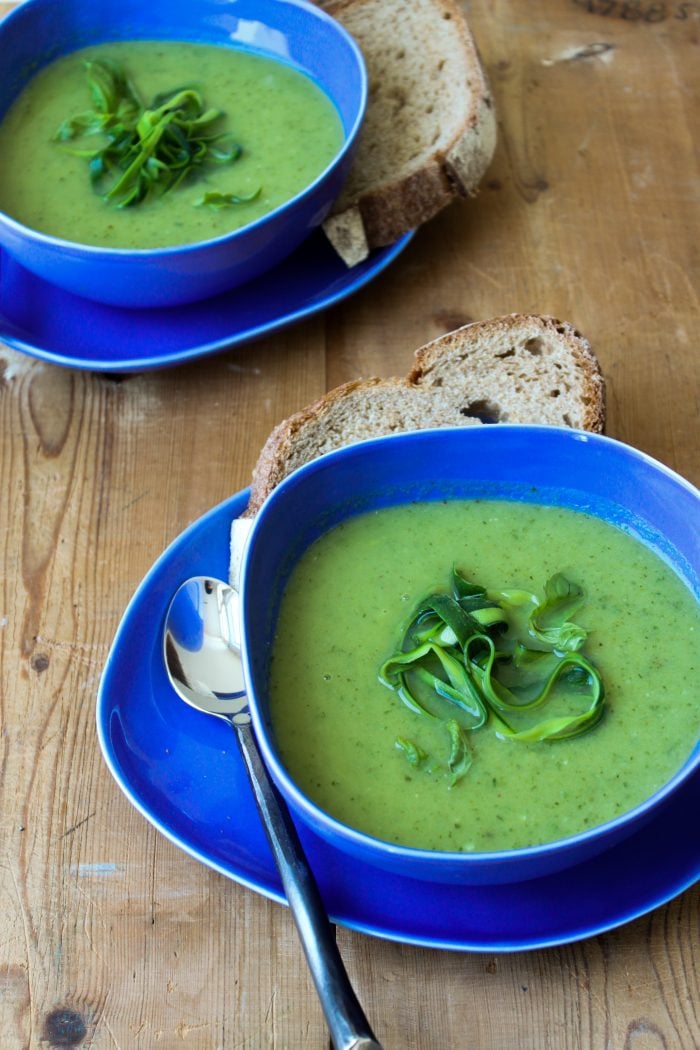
534	464
292	31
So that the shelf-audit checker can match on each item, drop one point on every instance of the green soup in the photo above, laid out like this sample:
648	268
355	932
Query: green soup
287	127
340	619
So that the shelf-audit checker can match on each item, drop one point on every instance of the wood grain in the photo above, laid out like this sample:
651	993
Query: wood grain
111	937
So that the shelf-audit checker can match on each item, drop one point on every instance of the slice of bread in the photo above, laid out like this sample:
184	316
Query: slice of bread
521	368
430	129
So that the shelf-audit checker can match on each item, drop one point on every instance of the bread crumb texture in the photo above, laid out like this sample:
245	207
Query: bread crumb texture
514	369
429	131
521	369
419	74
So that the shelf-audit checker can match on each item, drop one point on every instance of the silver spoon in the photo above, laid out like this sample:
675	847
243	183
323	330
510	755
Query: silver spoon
201	647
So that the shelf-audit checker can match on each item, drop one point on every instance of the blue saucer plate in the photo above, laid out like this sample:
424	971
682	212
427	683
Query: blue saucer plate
183	772
47	322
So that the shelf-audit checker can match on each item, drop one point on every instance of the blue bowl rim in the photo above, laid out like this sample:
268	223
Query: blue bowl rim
330	826
105	254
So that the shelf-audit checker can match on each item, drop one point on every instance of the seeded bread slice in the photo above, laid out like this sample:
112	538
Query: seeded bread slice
521	368
429	131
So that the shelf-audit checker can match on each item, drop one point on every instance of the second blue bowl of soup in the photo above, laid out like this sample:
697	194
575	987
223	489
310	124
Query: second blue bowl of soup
296	57
338	558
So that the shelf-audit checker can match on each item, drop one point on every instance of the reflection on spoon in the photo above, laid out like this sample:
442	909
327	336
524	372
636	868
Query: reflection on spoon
201	647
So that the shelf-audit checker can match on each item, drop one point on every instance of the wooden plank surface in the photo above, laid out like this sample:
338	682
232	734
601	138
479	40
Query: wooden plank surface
111	937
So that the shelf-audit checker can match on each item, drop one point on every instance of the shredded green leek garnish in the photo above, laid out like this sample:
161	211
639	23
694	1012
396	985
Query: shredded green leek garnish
146	151
461	662
413	752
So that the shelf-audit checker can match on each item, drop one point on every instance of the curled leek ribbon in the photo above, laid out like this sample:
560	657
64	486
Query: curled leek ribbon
460	662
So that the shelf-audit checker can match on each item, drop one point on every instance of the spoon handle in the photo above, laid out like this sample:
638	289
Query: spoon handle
346	1021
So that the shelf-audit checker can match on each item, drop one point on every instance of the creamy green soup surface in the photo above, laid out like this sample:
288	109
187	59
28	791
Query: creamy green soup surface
288	128
341	617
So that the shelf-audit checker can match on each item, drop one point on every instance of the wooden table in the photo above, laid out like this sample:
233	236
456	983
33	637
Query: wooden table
111	936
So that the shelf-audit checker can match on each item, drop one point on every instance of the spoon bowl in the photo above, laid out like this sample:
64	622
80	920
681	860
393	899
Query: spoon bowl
201	651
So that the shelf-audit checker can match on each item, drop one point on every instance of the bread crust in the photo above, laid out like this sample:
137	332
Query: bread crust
476	363
382	213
